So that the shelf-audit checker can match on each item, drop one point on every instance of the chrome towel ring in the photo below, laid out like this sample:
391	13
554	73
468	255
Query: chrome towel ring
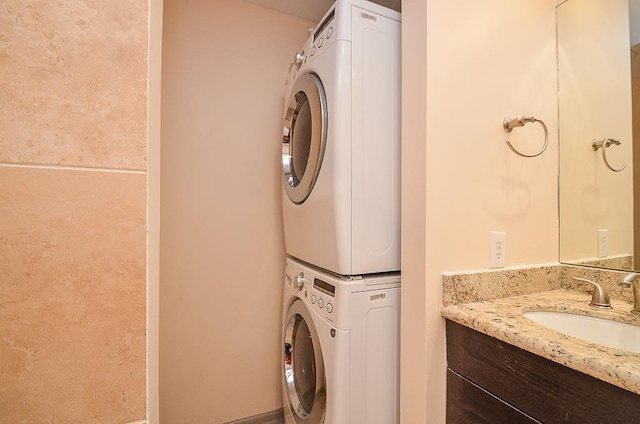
603	144
510	123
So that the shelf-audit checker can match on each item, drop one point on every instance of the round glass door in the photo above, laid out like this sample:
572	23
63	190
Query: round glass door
304	136
303	367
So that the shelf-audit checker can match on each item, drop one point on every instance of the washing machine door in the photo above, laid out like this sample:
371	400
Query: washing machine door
304	378
304	136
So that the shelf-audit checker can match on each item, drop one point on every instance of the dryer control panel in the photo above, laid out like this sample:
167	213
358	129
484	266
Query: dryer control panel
320	35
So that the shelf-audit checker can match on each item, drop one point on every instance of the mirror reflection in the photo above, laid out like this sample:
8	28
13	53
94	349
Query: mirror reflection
599	113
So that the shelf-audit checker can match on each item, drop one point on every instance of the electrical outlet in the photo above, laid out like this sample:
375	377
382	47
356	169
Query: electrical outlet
498	250
603	235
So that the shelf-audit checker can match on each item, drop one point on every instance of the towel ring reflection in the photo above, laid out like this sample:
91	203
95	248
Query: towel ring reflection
510	123
603	144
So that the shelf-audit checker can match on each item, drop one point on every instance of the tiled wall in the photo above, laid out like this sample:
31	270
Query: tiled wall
73	104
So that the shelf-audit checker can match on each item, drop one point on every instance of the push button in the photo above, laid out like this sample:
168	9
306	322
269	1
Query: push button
329	307
329	32
321	303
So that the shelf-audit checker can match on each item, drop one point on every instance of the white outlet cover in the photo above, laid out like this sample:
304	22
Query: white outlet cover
498	250
603	242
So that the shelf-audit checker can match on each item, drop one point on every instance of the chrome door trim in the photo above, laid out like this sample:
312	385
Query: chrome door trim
296	314
307	89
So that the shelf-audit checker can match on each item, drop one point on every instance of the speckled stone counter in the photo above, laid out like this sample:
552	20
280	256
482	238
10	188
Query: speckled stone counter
503	319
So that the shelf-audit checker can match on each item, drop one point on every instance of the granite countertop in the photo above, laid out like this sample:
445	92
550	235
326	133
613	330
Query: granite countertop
503	319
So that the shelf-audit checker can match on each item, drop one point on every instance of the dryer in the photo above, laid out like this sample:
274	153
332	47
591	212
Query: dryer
340	347
341	142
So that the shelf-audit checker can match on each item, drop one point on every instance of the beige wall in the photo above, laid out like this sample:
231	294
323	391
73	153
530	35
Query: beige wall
414	365
72	208
484	62
222	253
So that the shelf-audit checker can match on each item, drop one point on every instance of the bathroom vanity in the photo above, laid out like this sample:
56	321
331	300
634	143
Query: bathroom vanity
506	368
490	381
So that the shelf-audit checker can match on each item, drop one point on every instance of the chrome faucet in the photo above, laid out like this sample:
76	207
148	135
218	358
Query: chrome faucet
632	280
599	299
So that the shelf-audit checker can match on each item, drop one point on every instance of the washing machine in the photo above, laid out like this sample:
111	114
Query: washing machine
340	355
341	142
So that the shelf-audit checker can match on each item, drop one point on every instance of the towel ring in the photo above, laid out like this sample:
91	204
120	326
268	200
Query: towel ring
603	144
510	123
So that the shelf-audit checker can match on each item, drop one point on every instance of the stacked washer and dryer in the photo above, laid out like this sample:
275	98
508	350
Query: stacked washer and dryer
341	214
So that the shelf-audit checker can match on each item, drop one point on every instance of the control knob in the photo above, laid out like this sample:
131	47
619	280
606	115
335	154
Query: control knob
299	59
299	281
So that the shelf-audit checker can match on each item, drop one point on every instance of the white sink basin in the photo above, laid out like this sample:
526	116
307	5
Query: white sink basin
595	330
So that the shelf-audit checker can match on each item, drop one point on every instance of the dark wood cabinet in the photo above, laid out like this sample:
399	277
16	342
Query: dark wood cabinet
490	381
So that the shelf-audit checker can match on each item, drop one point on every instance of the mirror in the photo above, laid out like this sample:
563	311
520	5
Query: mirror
599	100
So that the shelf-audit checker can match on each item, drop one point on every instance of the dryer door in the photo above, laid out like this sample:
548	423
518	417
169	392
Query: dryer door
304	378
304	136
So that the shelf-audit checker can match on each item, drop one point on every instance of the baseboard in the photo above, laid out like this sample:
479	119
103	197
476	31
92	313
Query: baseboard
273	417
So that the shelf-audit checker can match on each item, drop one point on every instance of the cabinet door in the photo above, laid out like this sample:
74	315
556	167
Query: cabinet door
468	403
540	388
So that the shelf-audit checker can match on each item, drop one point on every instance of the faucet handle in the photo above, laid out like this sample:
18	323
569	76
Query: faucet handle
599	299
628	280
632	280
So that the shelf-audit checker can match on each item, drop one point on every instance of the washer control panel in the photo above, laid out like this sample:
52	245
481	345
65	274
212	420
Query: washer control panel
322	296
323	32
318	294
